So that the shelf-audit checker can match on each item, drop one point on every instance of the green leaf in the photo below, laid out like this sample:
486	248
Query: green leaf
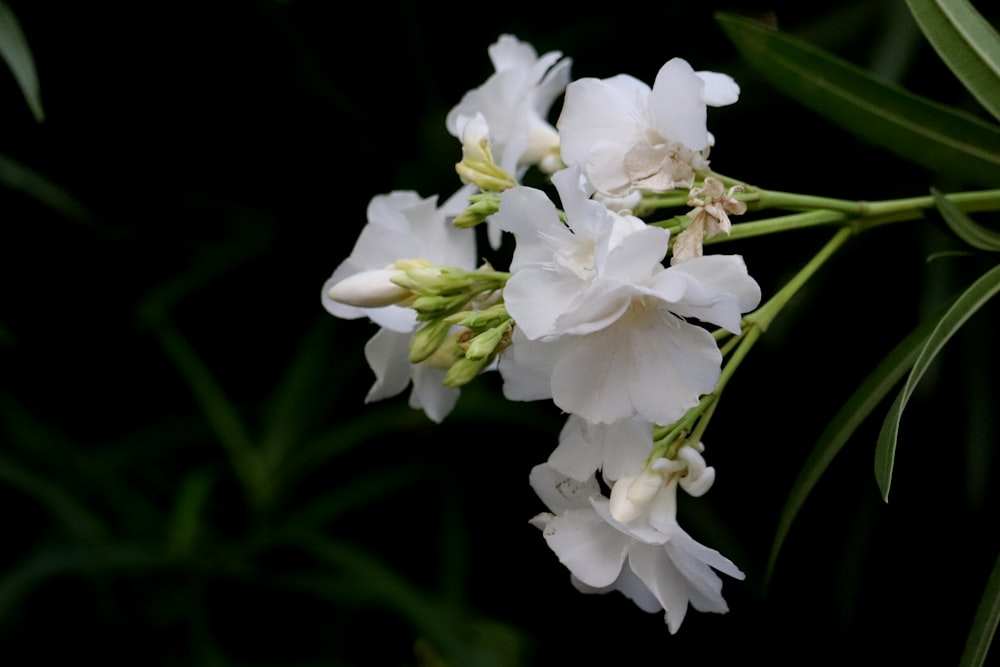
16	176
981	291
984	623
186	521
16	53
925	132
855	410
964	227
966	43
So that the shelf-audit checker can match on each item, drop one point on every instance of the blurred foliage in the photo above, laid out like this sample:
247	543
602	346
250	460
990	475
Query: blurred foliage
192	477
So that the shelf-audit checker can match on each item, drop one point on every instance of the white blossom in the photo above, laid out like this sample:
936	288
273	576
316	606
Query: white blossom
403	230
603	318
651	559
511	108
627	136
514	102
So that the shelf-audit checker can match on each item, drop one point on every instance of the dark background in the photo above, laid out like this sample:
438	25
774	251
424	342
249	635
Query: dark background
202	169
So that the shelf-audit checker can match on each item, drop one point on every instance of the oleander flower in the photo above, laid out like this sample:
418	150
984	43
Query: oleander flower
510	111
602	318
403	230
514	102
629	137
651	559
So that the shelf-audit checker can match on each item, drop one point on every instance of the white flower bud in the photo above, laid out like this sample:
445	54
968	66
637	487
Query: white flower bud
631	496
699	478
369	289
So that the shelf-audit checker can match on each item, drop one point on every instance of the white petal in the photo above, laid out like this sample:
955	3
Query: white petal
635	590
530	215
560	493
577	456
712	288
388	354
676	107
526	368
720	89
592	550
429	393
656	570
595	308
606	169
594	108
509	52
535	297
637	256
650	364
628	443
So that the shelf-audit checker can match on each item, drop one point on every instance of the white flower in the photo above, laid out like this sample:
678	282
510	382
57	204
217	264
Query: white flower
401	226
510	109
514	102
592	295
627	136
403	230
651	560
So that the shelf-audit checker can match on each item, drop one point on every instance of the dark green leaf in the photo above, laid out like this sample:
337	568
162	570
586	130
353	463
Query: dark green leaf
16	176
984	623
933	135
16	53
981	291
966	43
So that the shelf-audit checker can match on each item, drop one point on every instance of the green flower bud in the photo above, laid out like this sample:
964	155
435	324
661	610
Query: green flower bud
427	340
486	343
481	319
480	207
464	370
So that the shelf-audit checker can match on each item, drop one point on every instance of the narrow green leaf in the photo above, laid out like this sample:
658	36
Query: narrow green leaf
855	410
221	413
77	518
447	629
984	623
981	291
189	508
964	227
925	132
16	53
966	43
16	176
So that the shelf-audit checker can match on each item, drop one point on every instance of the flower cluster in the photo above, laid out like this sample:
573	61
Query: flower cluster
615	319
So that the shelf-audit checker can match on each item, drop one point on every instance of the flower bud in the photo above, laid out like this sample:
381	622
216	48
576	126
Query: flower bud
485	344
699	477
369	289
631	496
464	370
481	319
427	340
